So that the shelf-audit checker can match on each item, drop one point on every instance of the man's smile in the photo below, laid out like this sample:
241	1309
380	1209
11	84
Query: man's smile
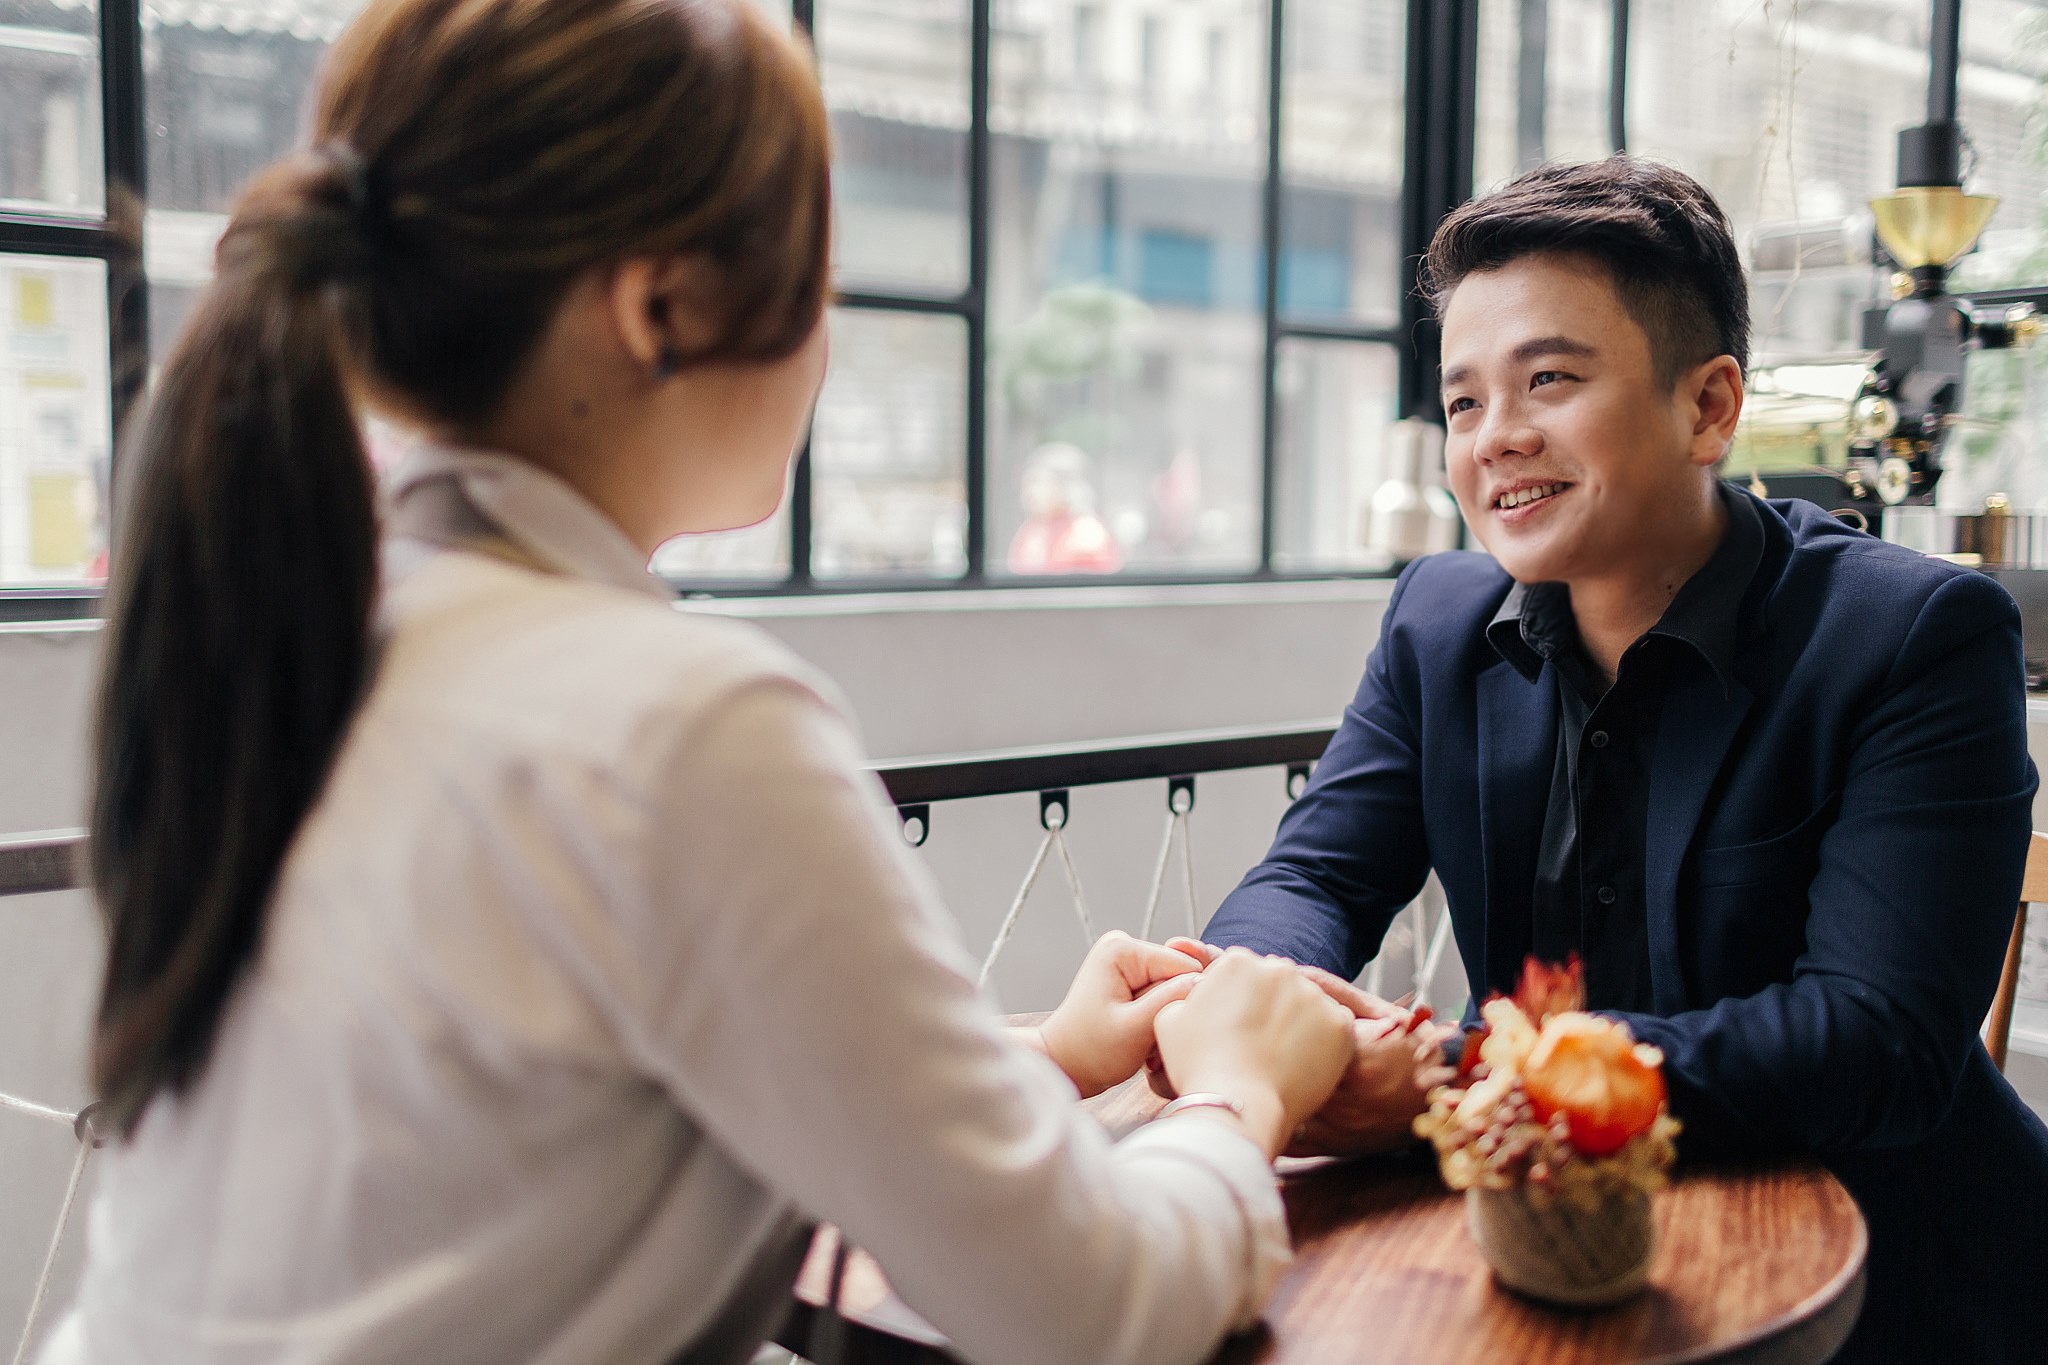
1519	500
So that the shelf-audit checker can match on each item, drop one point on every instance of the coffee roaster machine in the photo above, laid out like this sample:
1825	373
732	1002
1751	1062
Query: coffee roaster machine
1910	401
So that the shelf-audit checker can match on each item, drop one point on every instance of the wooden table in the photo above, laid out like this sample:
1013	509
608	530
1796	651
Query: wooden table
1760	1264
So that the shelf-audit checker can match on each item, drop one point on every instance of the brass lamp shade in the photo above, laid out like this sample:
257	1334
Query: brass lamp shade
1923	225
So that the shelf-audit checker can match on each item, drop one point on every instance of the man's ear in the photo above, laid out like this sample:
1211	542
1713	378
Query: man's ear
1713	395
660	307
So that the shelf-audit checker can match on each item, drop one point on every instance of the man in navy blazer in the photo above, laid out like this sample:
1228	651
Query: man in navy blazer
1767	775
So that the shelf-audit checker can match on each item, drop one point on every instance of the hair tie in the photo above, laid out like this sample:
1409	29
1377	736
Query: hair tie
359	187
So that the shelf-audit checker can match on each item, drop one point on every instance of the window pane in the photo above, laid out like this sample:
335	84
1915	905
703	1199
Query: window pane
1543	84
54	420
50	140
889	448
1337	401
224	92
1126	334
2005	449
2002	102
895	77
754	552
1342	135
1792	143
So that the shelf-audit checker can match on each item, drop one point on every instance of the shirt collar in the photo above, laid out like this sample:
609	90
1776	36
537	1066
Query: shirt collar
1707	613
1534	621
493	503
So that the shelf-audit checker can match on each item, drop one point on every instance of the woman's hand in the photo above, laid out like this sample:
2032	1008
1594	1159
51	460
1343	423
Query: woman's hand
1258	1032
1363	1004
1102	1031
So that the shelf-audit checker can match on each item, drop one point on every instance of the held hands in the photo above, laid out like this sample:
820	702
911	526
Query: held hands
1102	1031
1395	1061
1254	1030
1320	1066
1392	1070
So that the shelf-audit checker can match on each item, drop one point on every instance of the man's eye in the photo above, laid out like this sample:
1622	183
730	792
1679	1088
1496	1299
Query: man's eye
1542	377
1458	405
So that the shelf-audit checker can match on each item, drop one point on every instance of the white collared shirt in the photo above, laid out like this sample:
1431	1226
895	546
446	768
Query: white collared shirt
599	969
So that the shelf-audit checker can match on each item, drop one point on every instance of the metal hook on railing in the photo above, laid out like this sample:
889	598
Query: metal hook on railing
1053	807
1180	801
917	823
1297	780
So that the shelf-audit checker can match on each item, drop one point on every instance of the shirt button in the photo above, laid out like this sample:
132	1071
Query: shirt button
1599	739
1605	895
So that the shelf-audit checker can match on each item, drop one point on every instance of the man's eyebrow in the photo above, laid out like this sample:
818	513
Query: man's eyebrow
1533	349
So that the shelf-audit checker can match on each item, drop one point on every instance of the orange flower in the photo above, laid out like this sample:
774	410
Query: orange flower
1545	990
1587	1068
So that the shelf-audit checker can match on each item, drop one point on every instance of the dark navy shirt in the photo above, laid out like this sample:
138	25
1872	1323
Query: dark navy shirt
1589	896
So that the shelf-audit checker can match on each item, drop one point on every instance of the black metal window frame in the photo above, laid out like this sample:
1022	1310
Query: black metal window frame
1439	97
1440	110
115	239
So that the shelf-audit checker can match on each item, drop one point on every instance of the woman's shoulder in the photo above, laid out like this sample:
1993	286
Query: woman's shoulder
538	657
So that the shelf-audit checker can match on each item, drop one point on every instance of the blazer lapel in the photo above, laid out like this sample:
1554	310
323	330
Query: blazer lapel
1517	747
1698	723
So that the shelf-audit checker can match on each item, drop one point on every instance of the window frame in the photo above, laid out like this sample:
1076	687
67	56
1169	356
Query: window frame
1439	109
114	238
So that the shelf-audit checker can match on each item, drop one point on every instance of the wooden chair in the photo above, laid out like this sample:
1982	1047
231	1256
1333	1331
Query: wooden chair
2033	887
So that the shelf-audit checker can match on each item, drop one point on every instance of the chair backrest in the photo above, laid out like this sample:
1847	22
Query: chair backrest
2033	887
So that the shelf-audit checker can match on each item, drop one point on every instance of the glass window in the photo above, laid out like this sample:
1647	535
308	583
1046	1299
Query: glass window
51	146
54	421
889	448
1337	402
895	77
1544	83
1789	115
223	92
1342	135
1125	295
1126	317
2003	103
755	552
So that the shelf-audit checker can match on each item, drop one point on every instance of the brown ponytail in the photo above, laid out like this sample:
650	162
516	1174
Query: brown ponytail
475	157
239	627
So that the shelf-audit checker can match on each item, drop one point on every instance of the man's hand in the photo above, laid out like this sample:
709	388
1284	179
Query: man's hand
1101	1033
1386	1086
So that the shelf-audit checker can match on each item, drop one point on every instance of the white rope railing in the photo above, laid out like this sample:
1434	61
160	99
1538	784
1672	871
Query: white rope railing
80	1124
1180	805
1052	814
1422	937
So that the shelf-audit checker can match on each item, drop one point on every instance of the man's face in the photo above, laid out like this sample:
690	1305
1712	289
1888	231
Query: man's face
1565	452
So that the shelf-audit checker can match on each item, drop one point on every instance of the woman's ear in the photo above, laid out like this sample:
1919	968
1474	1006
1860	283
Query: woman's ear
1715	392
660	310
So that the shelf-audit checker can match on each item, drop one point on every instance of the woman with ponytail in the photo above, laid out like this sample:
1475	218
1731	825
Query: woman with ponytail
502	965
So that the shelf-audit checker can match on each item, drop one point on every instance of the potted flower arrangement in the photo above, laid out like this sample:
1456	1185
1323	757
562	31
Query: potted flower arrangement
1555	1128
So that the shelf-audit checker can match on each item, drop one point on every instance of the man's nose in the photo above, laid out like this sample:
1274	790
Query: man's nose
1506	434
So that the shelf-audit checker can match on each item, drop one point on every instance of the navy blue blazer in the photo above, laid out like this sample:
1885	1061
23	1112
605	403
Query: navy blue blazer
1835	845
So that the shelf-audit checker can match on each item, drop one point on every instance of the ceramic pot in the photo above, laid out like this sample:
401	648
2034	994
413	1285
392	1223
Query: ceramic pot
1562	1253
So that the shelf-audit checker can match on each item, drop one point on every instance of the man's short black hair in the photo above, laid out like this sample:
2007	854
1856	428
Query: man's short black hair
1655	229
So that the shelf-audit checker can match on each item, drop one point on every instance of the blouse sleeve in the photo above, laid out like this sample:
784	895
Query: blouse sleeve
800	992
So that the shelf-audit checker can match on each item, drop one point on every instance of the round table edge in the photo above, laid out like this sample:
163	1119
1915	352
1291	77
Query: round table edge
1842	1295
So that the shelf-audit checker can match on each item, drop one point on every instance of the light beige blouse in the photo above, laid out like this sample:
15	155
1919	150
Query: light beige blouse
598	971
